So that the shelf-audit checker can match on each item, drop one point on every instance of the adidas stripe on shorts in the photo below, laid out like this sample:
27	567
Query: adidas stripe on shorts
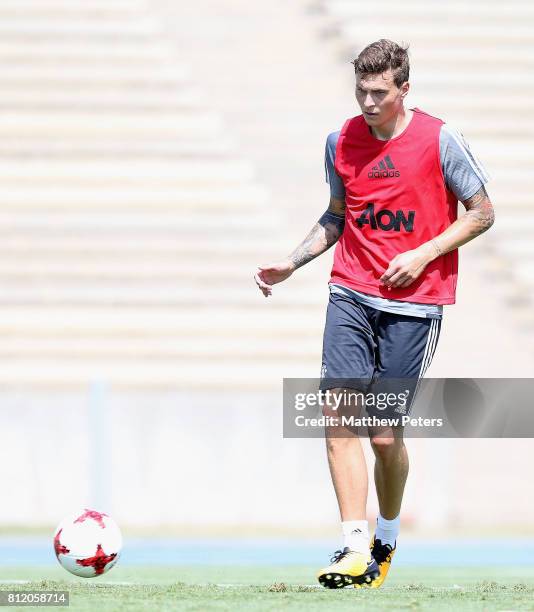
372	350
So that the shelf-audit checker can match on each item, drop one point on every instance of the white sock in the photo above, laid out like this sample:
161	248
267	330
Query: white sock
387	530
356	535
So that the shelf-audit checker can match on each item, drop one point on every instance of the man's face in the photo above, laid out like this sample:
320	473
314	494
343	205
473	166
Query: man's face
379	98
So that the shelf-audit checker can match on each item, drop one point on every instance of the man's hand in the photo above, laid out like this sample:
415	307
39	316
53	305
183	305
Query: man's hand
404	268
322	236
267	276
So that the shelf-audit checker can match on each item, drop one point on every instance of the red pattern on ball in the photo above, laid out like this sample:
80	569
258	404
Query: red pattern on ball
92	514
99	561
59	548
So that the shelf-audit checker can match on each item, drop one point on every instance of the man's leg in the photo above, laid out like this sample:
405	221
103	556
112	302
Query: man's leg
347	465
348	354
391	472
406	345
391	469
353	565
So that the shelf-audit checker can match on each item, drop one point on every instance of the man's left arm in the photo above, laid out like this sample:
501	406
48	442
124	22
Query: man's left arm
478	218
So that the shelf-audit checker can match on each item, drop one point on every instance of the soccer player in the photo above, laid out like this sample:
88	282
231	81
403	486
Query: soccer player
395	175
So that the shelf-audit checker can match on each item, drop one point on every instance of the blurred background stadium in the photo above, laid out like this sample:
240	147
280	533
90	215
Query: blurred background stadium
153	153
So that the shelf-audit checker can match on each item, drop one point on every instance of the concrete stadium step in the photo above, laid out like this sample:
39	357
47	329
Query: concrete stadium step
85	52
163	346
184	99
228	291
502	198
91	126
519	247
145	248
439	59
506	152
514	221
142	243
426	13
115	147
514	77
474	34
129	221
33	7
267	321
463	110
514	178
77	27
444	54
505	127
97	75
431	90
129	275
89	10
202	172
219	375
223	197
524	318
155	275
403	25
30	261
132	273
523	271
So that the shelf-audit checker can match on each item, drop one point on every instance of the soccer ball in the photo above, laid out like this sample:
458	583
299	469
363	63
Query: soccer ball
87	543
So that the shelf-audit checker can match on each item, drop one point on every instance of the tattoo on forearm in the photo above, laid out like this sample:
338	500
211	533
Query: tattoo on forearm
322	236
479	211
333	225
310	247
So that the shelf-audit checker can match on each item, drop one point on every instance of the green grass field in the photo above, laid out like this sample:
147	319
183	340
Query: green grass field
281	588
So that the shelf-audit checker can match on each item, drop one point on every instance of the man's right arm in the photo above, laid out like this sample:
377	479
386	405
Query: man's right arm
322	236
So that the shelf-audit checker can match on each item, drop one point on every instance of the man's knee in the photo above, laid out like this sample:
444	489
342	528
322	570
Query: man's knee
386	445
340	440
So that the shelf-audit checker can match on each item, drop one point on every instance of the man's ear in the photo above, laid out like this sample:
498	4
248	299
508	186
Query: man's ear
405	88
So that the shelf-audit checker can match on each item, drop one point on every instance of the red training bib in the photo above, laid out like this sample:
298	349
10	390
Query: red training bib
396	199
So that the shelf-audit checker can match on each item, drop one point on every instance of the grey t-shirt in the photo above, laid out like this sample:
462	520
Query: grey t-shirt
464	176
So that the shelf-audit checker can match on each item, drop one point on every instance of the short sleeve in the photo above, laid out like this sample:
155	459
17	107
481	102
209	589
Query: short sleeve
464	174
337	189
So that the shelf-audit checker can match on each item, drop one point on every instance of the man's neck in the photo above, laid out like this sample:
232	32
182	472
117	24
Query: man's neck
394	127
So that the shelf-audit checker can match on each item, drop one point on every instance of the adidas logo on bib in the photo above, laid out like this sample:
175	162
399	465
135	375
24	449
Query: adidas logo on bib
384	169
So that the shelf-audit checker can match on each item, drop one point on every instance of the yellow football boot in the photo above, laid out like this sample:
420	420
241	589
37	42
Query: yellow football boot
349	568
382	554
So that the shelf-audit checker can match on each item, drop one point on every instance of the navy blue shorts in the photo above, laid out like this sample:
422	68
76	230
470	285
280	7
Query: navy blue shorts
370	350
